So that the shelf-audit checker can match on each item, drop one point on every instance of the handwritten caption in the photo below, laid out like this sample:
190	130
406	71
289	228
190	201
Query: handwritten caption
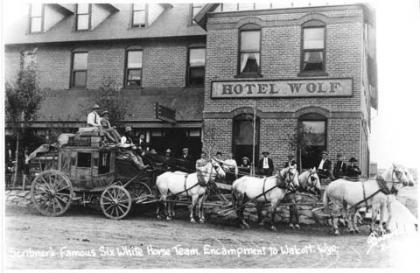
177	250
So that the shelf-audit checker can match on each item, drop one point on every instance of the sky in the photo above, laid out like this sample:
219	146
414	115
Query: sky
395	126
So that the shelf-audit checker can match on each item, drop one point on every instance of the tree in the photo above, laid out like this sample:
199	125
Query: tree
297	142
23	100
110	98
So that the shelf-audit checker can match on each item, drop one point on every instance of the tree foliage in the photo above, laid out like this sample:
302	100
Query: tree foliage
109	98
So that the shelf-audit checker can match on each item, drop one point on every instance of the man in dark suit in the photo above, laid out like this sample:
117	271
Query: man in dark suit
339	168
324	166
187	160
265	165
353	170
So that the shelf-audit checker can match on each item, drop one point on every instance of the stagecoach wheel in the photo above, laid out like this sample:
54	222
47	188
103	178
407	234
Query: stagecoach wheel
115	202
142	192
51	193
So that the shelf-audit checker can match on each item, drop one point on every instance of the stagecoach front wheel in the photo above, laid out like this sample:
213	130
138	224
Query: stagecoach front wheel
115	202
51	193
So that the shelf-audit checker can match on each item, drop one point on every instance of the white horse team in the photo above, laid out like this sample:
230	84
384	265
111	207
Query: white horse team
346	196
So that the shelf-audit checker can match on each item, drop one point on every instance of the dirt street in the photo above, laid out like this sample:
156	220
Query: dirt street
83	238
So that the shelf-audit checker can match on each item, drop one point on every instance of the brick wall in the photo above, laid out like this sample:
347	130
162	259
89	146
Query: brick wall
280	59
164	63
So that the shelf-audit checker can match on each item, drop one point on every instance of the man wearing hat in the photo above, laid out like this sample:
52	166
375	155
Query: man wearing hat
353	170
245	166
324	166
127	138
290	161
110	131
265	165
339	168
93	118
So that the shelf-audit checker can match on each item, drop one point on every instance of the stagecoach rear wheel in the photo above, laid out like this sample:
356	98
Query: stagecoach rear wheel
51	193
115	202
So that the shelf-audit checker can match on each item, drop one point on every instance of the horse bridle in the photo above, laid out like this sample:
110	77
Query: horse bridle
310	183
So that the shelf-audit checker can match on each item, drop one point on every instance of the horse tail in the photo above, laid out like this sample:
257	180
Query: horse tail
325	200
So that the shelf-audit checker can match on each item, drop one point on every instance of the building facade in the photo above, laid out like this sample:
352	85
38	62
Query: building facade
241	78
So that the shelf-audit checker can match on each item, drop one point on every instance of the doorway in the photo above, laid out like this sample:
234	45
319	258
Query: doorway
243	137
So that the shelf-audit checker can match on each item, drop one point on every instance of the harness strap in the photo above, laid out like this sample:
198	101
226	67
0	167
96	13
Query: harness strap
364	194
365	199
185	184
265	197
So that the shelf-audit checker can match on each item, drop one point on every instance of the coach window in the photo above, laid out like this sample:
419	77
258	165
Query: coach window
313	47
36	18
83	16
139	15
196	66
134	65
313	133
249	50
243	136
79	69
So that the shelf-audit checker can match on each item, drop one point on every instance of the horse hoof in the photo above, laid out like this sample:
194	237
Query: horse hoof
193	221
158	217
291	226
273	228
168	218
351	231
336	233
297	226
357	231
202	221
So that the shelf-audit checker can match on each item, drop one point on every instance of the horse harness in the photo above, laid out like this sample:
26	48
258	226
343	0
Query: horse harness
382	188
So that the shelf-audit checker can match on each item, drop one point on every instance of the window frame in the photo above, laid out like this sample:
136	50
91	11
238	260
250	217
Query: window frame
31	17
72	70
146	15
89	16
126	69
188	74
248	28
192	6
311	25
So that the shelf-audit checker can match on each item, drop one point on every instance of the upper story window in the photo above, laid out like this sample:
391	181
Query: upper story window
79	69
133	70
139	15
83	16
196	66
313	48
250	50
36	18
195	9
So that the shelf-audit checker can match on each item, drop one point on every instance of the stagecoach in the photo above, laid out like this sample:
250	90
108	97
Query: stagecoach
91	174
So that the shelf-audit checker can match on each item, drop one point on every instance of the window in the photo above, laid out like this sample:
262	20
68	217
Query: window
84	160
37	18
79	69
134	64
196	66
195	10
139	15
313	48
83	16
313	130
249	55
28	59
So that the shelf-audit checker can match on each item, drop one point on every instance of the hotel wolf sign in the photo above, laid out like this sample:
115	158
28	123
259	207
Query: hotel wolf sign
283	88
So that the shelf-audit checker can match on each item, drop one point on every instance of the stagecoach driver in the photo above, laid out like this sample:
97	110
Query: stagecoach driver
93	118
324	166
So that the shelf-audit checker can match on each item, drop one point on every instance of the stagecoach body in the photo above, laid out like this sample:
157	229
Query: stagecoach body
89	176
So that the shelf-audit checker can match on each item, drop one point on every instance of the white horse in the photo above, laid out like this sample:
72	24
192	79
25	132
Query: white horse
174	184
271	189
308	181
373	193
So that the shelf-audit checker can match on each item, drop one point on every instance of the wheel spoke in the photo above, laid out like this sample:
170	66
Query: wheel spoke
107	198
59	204
60	199
119	208
122	205
124	201
116	211
107	208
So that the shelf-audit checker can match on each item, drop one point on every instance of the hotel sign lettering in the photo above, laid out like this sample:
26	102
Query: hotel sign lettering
283	88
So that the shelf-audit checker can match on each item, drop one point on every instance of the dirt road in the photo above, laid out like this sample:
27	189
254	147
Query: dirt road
85	239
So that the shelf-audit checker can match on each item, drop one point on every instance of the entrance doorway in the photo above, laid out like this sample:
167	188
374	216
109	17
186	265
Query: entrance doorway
313	130
243	136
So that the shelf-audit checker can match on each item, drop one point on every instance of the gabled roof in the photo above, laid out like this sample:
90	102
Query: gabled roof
173	22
